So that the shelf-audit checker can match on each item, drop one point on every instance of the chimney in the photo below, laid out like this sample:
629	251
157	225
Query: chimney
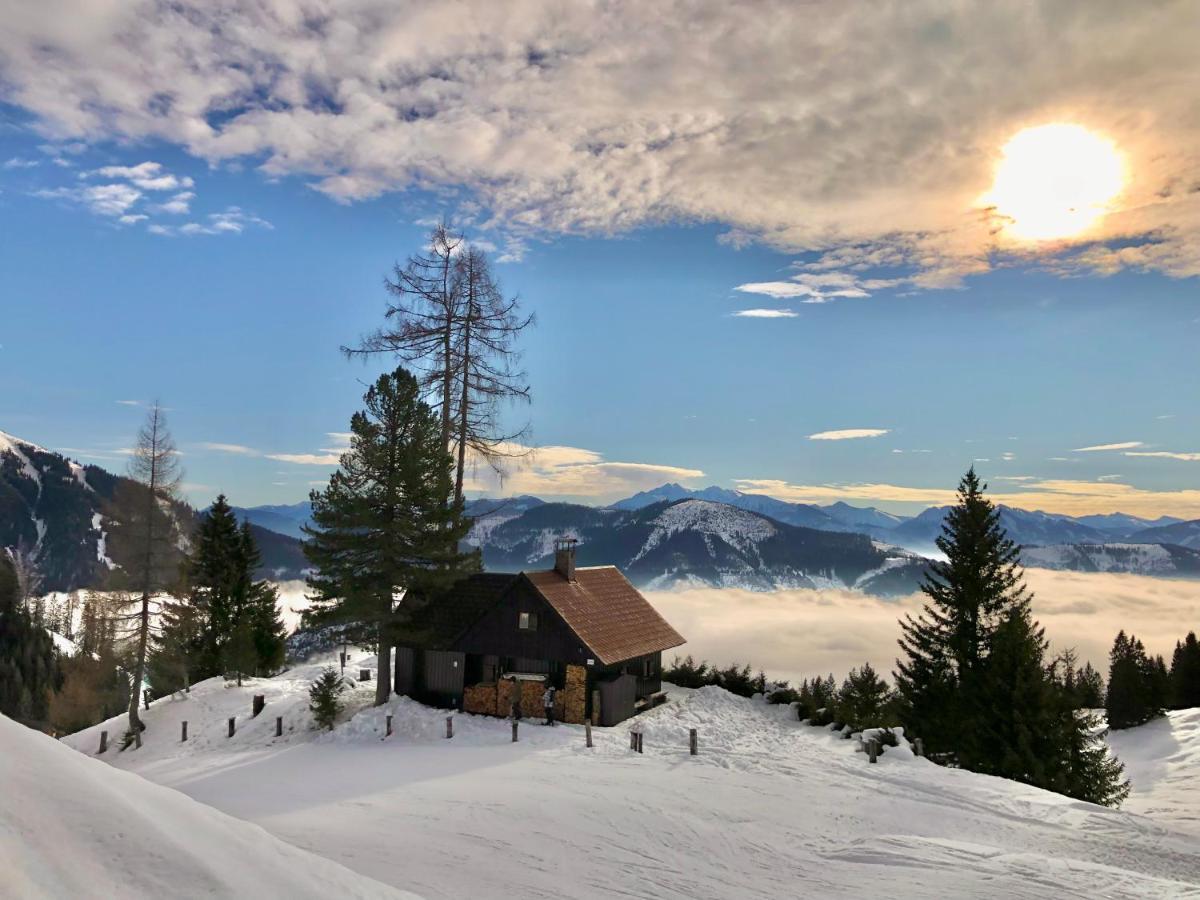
564	557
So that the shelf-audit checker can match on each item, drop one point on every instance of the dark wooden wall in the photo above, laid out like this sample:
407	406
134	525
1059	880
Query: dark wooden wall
497	632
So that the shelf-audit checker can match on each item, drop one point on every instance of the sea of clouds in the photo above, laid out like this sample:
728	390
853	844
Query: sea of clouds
800	633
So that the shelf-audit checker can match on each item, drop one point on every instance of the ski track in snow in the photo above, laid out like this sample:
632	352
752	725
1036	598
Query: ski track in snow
770	807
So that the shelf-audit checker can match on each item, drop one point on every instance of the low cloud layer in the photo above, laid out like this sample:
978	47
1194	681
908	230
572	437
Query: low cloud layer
1064	496
870	136
799	634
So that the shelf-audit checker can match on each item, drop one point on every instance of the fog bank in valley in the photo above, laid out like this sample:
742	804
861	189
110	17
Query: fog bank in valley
798	633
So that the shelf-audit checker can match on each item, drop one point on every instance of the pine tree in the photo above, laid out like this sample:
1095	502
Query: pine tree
1185	673
386	522
213	575
940	682
325	697
864	699
1089	688
29	667
1133	684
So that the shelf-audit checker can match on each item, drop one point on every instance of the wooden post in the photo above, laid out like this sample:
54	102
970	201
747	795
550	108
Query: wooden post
514	740
103	741
364	674
183	730
918	747
232	728
449	727
587	731
279	726
388	733
873	749
343	662
146	697
632	740
639	741
693	741
259	702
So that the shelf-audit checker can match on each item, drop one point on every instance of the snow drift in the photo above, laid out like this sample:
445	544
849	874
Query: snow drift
74	827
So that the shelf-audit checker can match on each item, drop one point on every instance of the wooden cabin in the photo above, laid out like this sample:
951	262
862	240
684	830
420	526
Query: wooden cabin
495	641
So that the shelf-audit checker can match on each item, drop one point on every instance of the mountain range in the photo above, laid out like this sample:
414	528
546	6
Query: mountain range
61	509
665	536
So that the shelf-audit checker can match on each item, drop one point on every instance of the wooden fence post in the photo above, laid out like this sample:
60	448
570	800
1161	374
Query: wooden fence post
388	733
587	731
103	741
514	740
918	746
641	737
279	726
449	727
693	741
232	727
364	674
146	697
259	702
873	749
183	730
632	740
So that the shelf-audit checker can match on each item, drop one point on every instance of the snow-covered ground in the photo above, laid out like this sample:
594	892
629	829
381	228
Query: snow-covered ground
769	808
1162	761
73	827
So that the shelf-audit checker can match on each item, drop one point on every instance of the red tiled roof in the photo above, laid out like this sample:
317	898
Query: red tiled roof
607	613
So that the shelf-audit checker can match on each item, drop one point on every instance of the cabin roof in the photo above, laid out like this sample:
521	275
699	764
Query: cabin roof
606	612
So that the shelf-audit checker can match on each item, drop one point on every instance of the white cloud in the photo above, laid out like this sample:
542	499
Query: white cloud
237	449
573	473
1124	445
233	220
149	176
1164	454
17	162
178	205
765	314
129	402
306	459
111	200
820	286
579	118
847	434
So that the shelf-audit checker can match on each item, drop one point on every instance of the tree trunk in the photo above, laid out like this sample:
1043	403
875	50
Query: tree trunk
464	403
139	675
383	677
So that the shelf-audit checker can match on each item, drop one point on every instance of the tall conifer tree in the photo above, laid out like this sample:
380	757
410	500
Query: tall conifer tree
386	522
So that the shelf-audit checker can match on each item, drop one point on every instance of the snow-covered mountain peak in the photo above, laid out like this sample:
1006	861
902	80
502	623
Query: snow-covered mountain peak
735	526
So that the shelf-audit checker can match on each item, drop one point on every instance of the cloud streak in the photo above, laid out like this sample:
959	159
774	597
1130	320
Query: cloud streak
1068	497
1123	445
849	434
765	314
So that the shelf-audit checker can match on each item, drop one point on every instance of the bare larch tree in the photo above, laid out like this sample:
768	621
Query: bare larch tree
146	531
452	323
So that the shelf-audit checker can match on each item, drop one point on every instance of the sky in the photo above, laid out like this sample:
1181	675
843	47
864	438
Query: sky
834	256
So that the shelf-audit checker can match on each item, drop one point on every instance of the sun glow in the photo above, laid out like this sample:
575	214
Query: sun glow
1055	181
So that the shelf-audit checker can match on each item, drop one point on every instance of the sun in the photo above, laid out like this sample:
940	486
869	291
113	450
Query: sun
1055	181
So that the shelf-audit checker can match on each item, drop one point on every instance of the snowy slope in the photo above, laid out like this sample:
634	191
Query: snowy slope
1161	560
73	827
770	807
1162	760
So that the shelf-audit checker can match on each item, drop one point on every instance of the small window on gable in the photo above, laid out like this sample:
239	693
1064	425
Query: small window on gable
527	621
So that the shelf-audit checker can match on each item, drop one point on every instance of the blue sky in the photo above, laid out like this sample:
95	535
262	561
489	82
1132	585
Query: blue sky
957	348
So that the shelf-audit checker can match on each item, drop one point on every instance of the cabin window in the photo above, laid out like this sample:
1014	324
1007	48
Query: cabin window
527	621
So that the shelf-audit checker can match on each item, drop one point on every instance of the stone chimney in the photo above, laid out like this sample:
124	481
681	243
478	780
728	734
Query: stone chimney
564	557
